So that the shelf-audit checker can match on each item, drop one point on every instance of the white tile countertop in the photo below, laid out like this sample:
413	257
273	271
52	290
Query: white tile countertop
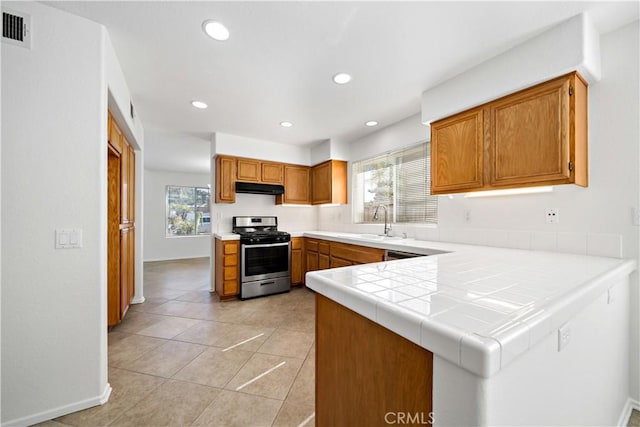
478	307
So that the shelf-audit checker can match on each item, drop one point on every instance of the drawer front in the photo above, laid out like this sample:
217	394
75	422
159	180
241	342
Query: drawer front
230	248
312	245
230	273
296	243
323	247
230	287
230	260
356	254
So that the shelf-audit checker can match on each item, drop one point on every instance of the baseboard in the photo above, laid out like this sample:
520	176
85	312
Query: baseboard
60	411
137	300
626	412
175	258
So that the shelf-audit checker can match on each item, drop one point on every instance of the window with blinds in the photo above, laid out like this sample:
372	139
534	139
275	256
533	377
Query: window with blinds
400	181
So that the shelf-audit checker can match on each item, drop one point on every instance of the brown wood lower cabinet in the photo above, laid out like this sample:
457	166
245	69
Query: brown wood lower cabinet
321	254
227	268
297	268
367	375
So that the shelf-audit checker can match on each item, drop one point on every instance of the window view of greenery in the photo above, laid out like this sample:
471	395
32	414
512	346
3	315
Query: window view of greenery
399	181
187	211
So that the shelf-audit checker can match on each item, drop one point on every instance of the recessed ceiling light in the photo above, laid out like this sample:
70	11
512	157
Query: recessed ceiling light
371	123
286	124
199	104
215	30
341	78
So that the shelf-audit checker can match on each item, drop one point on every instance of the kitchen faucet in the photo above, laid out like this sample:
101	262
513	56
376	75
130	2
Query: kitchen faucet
387	228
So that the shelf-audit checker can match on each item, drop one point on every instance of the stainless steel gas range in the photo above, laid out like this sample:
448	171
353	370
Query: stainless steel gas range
265	255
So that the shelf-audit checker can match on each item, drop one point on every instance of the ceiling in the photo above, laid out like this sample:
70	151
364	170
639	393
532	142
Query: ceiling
278	63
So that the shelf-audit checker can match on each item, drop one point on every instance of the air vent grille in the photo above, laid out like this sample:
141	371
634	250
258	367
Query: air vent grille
13	27
16	28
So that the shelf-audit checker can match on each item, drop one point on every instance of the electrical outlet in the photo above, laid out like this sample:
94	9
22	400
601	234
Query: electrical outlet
553	215
564	336
635	216
467	215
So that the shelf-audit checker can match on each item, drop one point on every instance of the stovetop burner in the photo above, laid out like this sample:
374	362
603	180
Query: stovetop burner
261	229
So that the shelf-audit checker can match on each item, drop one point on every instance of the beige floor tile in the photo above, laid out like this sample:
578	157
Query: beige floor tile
125	348
128	388
634	419
161	292
295	415
269	317
214	367
167	359
266	375
303	390
174	403
288	343
148	305
136	321
169	327
220	334
300	320
51	423
203	296
233	409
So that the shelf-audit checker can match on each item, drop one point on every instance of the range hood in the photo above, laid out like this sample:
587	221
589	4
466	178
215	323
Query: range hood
256	188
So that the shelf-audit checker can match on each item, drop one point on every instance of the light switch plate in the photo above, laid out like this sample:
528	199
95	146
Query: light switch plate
68	238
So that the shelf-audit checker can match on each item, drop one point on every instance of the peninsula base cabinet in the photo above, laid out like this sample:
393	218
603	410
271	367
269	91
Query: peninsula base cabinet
367	375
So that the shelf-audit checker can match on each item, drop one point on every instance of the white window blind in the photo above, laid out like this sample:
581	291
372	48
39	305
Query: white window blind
399	180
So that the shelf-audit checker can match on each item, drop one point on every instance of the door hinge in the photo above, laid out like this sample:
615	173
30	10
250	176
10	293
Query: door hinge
570	166
570	90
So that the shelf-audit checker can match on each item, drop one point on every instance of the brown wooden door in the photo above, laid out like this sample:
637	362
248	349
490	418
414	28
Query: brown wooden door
457	145
124	184
530	136
131	192
225	179
113	236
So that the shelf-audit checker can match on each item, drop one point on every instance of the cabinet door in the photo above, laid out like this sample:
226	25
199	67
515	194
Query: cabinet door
311	260
248	170
457	145
114	134
323	262
113	236
272	173
339	262
296	261
132	185
225	179
321	183
296	185
530	136
124	271
124	182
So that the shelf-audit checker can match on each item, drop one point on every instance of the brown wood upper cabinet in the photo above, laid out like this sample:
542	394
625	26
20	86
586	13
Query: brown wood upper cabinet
252	170
297	188
329	182
534	137
225	179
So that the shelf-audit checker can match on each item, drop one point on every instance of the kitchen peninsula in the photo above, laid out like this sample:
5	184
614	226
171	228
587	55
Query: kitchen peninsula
493	336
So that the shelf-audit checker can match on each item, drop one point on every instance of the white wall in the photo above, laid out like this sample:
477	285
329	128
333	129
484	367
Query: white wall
54	108
156	245
234	145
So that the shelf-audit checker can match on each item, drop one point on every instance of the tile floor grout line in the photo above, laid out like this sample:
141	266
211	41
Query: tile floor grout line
260	376
243	342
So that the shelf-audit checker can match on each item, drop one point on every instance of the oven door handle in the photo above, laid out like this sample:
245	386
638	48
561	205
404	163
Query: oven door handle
265	245
268	283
